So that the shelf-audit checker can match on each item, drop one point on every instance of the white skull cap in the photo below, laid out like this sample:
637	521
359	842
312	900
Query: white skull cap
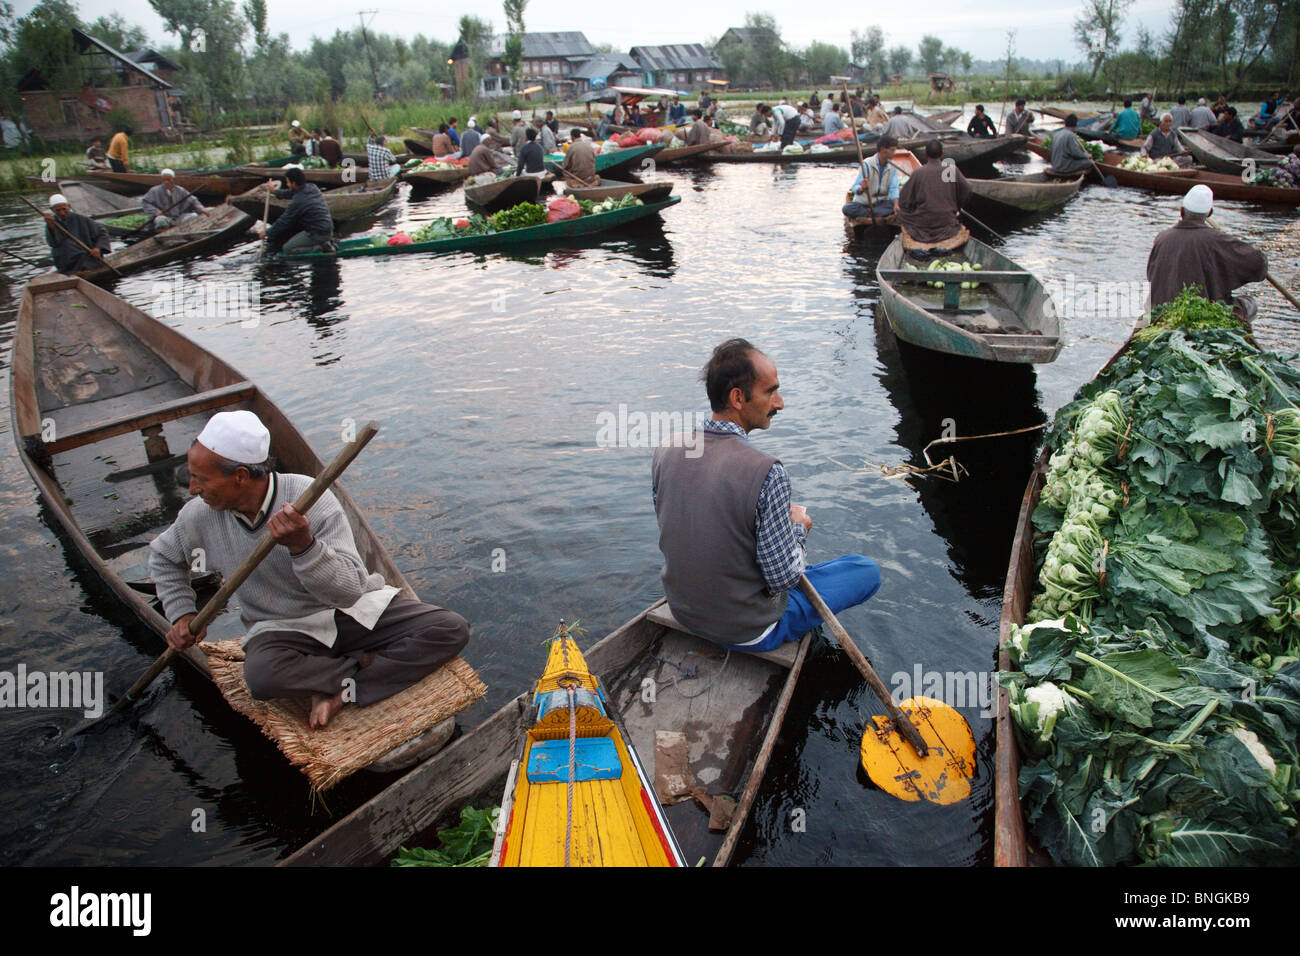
239	436
1199	199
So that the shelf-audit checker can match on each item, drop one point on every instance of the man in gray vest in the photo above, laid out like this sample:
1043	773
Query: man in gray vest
733	543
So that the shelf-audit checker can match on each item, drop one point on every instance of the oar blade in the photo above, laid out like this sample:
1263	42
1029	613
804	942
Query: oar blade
942	776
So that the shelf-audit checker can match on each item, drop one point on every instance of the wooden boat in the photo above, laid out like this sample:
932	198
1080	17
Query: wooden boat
733	724
99	204
678	154
1032	192
417	148
1221	155
594	808
1009	318
492	242
347	202
835	154
434	178
906	163
1224	186
1061	113
971	150
209	189
939	121
221	225
504	193
325	178
613	189
106	373
613	160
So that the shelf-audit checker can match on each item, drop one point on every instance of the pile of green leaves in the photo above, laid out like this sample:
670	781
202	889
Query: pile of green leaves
519	217
469	843
1172	644
1095	149
313	162
128	222
445	228
1189	311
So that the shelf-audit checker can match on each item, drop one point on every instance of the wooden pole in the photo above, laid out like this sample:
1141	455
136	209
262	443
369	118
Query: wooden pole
862	163
59	226
264	547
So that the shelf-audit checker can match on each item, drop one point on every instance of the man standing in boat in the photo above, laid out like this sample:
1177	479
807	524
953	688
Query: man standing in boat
319	625
69	256
1193	253
929	204
733	544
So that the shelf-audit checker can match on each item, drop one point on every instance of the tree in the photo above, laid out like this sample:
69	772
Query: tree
212	36
474	36
929	53
868	51
255	11
1242	30
824	60
117	33
766	58
514	55
900	58
1097	30
955	59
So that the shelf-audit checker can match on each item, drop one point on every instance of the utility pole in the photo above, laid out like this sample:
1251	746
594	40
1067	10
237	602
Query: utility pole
374	77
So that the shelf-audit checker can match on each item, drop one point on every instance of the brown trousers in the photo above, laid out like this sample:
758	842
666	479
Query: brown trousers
410	640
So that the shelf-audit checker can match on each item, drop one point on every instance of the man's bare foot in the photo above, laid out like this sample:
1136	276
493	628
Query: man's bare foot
323	709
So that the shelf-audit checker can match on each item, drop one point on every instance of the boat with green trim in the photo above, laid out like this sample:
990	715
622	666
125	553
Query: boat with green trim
493	241
612	160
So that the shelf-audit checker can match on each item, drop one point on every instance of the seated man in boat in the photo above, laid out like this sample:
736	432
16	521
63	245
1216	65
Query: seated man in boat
1127	124
580	160
484	163
530	160
833	123
319	625
1195	253
1018	120
676	112
468	141
297	139
701	130
759	124
879	193
441	143
1164	141
306	225
980	125
930	202
330	150
901	126
95	157
168	204
63	229
383	164
1229	127
733	544
546	137
1202	116
1180	114
876	119
1068	154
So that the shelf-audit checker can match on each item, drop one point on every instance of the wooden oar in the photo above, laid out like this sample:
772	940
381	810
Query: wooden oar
895	754
862	163
1110	182
264	547
995	235
266	211
141	229
39	265
1286	293
58	225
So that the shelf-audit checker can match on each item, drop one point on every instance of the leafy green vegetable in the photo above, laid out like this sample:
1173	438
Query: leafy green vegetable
469	843
519	217
128	222
1188	311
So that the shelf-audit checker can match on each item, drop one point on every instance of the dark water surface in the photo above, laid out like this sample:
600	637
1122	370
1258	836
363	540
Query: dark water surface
488	374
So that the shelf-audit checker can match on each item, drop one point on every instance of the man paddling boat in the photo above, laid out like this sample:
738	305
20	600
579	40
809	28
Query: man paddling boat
733	543
168	204
929	204
306	225
69	256
1193	253
881	187
1019	120
318	624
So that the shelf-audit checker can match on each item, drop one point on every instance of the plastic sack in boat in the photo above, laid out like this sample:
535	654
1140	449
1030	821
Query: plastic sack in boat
648	136
400	239
629	139
562	208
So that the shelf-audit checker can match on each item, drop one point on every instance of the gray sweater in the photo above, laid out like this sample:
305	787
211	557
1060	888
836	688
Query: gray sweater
329	574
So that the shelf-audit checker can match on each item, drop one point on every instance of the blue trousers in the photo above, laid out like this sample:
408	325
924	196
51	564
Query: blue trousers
843	583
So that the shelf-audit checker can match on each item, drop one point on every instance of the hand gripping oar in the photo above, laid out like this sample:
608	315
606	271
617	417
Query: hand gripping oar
1290	297
218	601
862	163
58	225
934	762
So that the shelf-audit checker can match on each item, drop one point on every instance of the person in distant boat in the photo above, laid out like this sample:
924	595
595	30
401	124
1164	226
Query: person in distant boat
546	138
380	159
1229	127
553	123
468	141
118	148
980	125
441	143
453	132
876	119
677	112
69	257
330	150
881	188
635	119
901	126
530	161
297	139
484	163
95	156
1164	141
759	124
318	623
1146	109
1180	114
580	161
827	106
306	225
929	204
1193	253
168	204
701	130
785	119
518	132
1202	116
833	123
1018	120
1126	125
1068	154
733	543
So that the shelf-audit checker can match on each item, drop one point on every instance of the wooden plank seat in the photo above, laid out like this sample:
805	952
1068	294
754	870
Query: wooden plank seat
662	615
141	419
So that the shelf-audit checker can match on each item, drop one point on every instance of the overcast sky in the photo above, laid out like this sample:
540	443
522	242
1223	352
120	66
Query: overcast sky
1043	28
